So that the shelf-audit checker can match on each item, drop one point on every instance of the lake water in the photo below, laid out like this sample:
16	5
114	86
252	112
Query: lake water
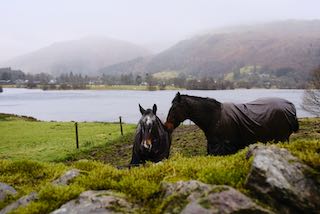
90	105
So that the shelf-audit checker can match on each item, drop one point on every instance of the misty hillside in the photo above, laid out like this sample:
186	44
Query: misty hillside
84	56
289	45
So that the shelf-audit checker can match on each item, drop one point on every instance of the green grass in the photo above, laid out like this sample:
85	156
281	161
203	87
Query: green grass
141	185
53	141
166	75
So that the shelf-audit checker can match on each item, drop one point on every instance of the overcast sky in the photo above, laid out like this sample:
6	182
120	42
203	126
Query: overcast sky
29	25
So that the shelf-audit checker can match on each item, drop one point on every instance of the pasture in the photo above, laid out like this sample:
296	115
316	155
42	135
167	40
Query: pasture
53	141
34	153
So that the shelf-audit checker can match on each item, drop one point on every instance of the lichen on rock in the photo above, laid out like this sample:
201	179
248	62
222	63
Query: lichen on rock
6	190
198	197
97	202
280	180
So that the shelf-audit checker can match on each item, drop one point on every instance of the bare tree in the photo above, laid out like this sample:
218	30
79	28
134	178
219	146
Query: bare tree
311	98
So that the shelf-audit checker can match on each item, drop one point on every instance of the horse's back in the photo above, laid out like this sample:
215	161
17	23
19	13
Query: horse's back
261	120
273	112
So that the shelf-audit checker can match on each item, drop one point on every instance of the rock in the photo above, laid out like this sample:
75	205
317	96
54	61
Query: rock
6	190
279	179
197	197
67	177
97	202
23	201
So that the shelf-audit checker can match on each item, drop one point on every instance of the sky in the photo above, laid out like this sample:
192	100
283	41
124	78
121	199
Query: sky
29	25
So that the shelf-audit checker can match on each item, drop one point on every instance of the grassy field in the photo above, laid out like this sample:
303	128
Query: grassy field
45	143
53	141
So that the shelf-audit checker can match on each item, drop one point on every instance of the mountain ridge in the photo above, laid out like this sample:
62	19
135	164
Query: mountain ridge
277	45
85	55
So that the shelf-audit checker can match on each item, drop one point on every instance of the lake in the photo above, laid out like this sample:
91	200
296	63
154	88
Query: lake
91	105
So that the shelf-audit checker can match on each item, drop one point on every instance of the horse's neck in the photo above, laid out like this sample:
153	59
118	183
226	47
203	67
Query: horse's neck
203	115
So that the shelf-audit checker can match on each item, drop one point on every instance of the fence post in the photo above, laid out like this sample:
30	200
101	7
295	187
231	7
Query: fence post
77	139
121	130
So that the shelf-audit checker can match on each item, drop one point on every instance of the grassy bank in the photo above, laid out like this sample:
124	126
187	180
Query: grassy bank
141	185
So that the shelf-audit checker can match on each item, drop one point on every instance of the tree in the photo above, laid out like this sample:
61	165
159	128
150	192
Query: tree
138	79
311	98
149	79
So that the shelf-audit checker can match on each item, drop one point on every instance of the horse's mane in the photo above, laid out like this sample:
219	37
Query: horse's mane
203	100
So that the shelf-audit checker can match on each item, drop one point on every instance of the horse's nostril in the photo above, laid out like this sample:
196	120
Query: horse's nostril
147	144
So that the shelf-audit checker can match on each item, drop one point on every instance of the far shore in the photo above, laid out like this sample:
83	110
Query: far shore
101	87
126	87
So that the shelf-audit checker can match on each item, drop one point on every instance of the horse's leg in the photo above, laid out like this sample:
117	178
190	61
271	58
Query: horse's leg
213	146
136	159
220	147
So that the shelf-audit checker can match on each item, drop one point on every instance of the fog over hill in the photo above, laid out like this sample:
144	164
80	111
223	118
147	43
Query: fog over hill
84	56
293	45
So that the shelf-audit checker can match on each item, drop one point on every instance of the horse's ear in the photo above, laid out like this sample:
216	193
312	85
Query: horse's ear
141	109
178	96
154	109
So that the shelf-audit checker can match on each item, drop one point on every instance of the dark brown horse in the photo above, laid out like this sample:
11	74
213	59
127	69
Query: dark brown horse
229	127
152	140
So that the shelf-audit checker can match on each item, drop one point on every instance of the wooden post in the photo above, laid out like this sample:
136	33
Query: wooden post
77	139
121	130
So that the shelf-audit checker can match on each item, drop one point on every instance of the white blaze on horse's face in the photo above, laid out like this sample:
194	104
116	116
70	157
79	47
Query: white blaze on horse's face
148	124
148	120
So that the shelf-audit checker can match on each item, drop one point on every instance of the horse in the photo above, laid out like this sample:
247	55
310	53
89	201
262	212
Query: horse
152	140
230	127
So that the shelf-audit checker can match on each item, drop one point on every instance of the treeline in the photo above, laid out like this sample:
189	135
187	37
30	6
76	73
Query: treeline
265	77
246	77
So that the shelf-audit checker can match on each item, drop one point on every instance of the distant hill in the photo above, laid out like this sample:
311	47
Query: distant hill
84	56
288	45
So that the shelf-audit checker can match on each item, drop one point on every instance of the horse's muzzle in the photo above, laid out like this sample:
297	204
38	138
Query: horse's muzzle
169	126
147	144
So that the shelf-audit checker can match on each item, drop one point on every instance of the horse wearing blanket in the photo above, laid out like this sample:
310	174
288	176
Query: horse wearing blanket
229	127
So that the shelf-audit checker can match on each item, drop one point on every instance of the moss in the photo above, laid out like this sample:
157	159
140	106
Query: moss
218	189
26	176
8	200
51	197
306	150
205	203
172	204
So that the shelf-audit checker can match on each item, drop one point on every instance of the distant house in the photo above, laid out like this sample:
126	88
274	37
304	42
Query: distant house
9	76
53	81
4	82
